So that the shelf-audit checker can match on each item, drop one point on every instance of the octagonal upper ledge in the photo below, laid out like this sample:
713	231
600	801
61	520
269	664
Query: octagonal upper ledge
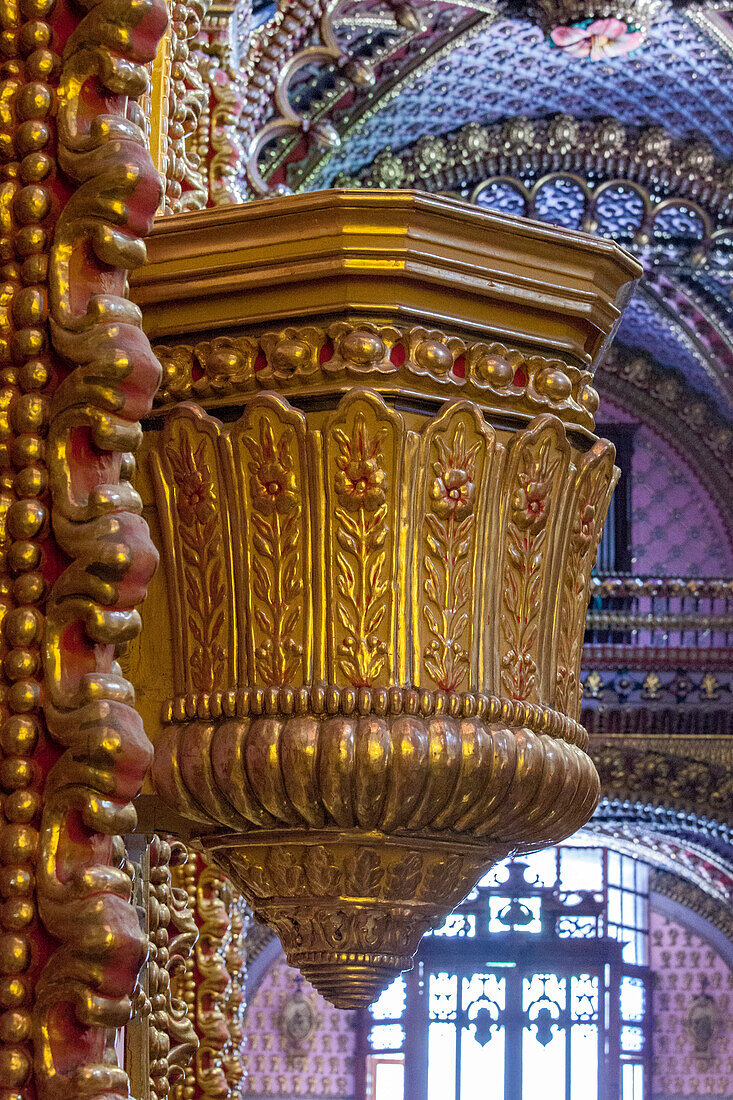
389	254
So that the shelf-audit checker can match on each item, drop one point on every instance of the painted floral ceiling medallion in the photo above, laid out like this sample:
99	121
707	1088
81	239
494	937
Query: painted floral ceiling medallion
596	31
598	39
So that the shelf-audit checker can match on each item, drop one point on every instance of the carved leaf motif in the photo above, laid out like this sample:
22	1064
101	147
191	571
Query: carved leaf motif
361	532
201	552
530	504
449	534
404	877
594	483
440	880
323	874
275	511
363	873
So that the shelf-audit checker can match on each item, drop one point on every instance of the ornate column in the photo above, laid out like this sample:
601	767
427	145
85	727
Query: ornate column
374	483
213	982
78	193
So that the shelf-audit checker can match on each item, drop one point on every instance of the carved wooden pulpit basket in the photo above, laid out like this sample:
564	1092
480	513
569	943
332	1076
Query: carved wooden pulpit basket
373	480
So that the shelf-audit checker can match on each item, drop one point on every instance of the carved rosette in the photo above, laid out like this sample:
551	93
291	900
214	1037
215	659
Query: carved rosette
377	538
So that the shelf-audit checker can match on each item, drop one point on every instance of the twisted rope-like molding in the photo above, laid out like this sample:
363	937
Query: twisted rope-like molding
103	558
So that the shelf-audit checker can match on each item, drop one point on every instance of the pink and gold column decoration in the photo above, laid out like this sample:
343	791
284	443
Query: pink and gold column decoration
78	193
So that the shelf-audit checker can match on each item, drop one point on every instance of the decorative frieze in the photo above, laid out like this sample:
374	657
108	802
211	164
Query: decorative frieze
312	359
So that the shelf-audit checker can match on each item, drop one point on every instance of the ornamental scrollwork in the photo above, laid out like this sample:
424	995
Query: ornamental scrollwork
172	935
310	357
531	149
663	779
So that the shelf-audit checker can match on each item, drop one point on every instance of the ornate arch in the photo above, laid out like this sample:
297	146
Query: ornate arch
664	400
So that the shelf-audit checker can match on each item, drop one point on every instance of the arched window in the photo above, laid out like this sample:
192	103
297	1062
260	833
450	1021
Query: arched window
537	985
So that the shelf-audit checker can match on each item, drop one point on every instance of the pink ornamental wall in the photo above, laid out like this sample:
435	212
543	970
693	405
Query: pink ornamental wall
676	528
322	1067
686	966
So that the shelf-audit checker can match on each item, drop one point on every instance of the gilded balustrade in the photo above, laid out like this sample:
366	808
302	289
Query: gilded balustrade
373	480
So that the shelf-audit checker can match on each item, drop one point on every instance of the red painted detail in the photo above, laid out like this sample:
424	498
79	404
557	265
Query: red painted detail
398	354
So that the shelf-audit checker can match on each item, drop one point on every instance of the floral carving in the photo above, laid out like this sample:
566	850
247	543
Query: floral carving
202	554
360	485
529	509
276	579
308	355
449	532
595	483
292	355
361	480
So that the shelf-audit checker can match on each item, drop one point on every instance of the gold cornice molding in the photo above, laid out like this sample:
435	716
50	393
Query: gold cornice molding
396	254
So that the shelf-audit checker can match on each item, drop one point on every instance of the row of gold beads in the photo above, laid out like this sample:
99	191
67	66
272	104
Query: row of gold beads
29	65
183	984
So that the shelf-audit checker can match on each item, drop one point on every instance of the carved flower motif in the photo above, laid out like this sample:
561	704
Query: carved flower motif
609	135
360	482
473	140
598	39
176	363
530	504
273	488
195	501
518	133
452	493
655	145
563	133
227	362
272	482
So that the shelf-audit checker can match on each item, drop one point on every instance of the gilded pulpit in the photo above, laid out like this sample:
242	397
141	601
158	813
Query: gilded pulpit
372	476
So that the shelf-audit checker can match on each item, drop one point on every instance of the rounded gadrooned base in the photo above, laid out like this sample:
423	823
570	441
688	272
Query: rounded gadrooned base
350	985
357	835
